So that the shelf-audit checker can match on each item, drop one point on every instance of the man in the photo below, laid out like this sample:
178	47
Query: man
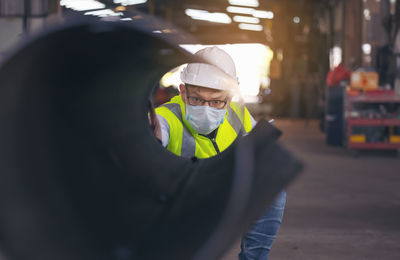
202	122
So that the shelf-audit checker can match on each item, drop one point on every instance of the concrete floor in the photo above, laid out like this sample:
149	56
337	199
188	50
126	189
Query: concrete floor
340	207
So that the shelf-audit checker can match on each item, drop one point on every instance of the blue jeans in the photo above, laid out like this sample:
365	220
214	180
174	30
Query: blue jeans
257	243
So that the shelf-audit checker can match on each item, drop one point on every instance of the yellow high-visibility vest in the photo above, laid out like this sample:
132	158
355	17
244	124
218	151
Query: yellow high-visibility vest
186	142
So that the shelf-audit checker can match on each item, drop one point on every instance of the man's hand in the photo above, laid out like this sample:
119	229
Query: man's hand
154	123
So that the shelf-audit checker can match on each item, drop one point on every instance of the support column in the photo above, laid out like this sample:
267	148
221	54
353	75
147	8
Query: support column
353	34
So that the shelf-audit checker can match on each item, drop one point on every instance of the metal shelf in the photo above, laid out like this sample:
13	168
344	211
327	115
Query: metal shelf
373	122
391	122
387	146
378	98
386	122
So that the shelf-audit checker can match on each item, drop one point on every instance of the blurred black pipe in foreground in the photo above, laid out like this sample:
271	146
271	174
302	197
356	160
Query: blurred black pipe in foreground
81	174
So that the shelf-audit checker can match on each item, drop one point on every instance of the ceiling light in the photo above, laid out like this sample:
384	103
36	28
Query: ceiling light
367	14
240	10
263	14
82	5
195	12
296	19
245	19
129	2
251	11
104	13
250	3
251	27
367	48
335	57
207	16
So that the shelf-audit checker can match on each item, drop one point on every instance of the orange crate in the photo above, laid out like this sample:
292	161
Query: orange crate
364	80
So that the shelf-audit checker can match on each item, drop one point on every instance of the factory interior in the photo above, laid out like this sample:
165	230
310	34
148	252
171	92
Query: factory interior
102	156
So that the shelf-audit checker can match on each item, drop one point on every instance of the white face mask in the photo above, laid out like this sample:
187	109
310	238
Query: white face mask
204	119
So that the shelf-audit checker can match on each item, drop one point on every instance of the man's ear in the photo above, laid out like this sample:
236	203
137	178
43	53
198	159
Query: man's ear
182	89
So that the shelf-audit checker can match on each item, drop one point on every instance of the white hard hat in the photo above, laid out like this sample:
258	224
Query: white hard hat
219	74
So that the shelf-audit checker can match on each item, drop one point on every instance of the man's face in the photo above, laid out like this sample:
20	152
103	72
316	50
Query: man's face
217	98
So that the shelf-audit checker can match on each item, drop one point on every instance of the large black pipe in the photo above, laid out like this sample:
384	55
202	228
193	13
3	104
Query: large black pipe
81	174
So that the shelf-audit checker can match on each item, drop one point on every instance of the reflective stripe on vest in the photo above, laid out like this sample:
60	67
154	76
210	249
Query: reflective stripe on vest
188	141
184	141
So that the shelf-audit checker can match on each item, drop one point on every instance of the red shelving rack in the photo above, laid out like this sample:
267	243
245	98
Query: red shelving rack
381	97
